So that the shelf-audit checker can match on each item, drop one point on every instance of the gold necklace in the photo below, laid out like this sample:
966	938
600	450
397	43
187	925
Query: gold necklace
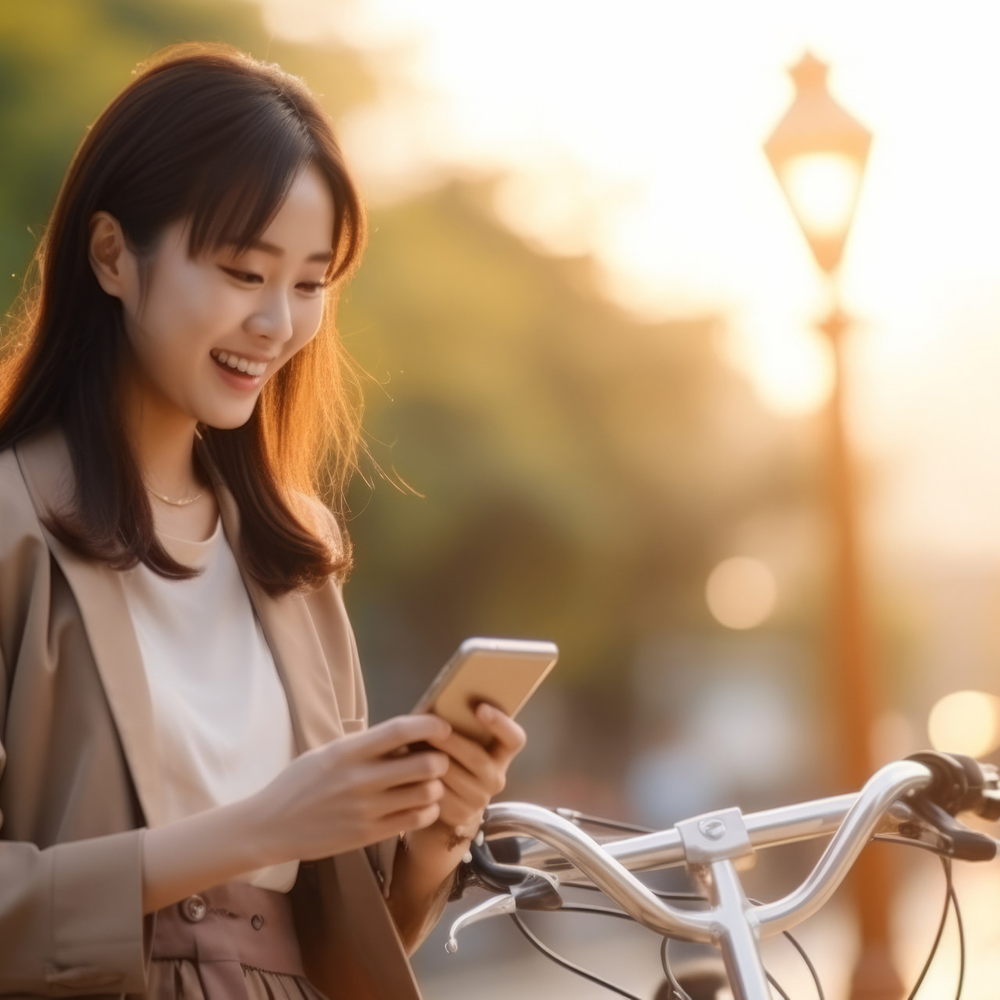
176	503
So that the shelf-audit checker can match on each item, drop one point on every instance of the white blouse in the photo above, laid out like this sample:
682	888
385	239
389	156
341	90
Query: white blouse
223	729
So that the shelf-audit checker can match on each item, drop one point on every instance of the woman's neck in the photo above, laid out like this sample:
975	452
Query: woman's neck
162	438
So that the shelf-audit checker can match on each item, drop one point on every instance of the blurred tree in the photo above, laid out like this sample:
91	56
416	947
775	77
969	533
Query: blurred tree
578	467
61	61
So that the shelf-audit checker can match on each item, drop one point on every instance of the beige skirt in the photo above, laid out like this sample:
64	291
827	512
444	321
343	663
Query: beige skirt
233	942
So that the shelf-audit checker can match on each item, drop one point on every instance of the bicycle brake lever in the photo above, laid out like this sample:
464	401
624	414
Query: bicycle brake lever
531	889
539	891
962	843
936	831
495	906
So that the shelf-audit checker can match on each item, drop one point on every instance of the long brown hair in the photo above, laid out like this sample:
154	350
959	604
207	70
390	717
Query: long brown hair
209	133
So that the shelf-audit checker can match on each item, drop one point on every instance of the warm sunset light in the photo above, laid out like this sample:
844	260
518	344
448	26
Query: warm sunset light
654	165
792	370
965	722
675	331
823	187
741	593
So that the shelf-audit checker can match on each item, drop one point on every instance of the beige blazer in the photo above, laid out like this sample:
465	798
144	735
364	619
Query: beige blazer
80	782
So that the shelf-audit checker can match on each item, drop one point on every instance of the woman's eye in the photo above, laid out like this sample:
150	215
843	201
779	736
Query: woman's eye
315	286
246	276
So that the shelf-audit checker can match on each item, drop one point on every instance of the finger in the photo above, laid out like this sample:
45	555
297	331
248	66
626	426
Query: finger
408	797
399	732
508	734
388	772
409	819
466	752
459	817
476	789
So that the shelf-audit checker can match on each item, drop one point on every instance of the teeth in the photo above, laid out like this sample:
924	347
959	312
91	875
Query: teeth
237	363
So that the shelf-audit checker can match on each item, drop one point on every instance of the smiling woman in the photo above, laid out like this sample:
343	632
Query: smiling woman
197	309
206	210
192	804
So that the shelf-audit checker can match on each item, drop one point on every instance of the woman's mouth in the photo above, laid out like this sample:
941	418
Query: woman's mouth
238	372
236	363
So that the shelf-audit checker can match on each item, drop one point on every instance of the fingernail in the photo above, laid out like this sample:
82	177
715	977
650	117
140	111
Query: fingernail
486	712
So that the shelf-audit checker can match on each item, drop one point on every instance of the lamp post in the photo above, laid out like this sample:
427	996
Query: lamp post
818	152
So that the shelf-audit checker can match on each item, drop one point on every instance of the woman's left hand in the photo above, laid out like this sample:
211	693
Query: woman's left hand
476	774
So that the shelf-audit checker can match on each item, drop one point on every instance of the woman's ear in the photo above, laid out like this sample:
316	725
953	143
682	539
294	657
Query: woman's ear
113	263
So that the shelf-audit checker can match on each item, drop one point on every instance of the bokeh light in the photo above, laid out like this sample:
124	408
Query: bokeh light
741	593
823	187
965	722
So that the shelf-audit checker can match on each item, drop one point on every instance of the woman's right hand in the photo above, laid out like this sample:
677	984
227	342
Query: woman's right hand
354	791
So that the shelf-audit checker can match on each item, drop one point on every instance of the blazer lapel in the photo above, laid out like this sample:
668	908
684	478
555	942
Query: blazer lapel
286	622
291	636
48	472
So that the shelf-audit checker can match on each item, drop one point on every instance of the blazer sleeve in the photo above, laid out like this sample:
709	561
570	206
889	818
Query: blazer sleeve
328	605
381	856
71	919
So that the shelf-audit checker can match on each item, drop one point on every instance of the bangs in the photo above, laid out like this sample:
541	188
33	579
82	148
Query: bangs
244	188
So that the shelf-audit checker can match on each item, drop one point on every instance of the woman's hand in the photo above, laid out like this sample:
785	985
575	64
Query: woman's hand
356	791
476	774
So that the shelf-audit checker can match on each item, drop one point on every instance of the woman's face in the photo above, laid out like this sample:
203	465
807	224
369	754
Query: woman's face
212	331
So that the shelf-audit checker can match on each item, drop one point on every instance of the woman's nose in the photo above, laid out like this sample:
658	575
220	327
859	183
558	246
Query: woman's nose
273	319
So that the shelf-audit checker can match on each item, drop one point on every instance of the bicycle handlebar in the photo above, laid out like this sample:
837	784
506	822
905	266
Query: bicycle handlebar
710	843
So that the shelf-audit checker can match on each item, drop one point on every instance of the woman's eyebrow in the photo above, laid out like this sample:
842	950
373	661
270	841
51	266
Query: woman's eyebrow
321	256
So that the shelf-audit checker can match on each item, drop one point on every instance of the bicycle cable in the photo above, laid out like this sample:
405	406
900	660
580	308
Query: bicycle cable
679	993
950	899
777	986
802	954
664	955
579	818
565	963
961	931
697	897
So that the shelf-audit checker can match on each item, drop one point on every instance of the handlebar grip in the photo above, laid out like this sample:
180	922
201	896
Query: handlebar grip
960	783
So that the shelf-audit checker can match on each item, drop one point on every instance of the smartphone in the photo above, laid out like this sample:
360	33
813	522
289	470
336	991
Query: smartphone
503	672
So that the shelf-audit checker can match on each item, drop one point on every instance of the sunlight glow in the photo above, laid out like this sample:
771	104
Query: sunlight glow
673	114
792	372
965	722
741	593
823	188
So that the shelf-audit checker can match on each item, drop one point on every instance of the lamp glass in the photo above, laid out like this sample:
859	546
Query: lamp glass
822	189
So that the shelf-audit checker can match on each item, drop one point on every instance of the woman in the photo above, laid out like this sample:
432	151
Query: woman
192	801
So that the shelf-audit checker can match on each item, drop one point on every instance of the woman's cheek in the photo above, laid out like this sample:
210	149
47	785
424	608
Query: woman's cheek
301	340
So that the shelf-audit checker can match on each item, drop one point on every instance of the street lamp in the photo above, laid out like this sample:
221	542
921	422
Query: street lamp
818	152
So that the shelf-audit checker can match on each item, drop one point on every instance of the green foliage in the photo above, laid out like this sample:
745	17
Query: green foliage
578	470
61	62
575	465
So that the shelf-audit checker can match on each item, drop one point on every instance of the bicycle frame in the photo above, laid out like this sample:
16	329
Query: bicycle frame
709	845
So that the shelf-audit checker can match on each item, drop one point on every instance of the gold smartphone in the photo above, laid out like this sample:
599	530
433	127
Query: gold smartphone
503	672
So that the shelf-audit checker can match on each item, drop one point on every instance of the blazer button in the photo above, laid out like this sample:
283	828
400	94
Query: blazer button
256	921
194	909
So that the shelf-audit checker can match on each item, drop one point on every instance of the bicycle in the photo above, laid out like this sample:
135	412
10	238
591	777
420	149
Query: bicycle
524	853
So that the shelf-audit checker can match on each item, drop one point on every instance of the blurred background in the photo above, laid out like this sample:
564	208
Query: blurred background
590	326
